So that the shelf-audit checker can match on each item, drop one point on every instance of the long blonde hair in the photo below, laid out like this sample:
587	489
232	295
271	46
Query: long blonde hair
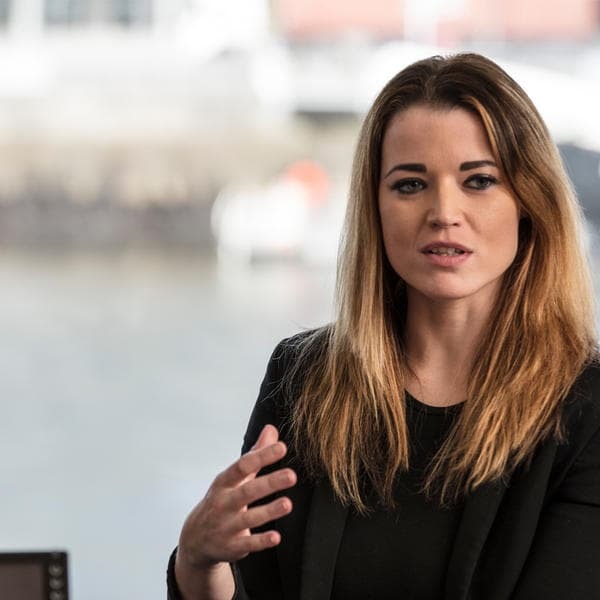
349	409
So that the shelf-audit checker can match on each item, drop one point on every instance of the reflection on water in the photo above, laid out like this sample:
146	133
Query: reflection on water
127	382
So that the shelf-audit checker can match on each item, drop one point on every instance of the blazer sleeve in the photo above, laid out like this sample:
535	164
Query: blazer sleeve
253	571
564	557
258	574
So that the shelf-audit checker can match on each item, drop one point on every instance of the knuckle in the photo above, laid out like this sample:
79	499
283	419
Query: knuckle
218	481
277	450
257	544
218	503
244	494
254	493
278	508
282	479
247	521
254	543
239	466
248	463
241	547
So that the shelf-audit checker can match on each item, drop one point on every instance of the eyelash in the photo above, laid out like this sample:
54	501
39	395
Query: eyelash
485	182
489	180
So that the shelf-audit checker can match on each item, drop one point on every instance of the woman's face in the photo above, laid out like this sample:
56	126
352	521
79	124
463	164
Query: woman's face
450	224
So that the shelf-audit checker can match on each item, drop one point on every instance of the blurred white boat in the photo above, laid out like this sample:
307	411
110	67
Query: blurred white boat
294	216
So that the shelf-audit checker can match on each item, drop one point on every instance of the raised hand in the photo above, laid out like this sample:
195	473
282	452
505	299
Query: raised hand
218	528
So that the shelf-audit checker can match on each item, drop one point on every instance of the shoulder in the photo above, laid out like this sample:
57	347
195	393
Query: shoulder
290	362
285	368
581	419
304	346
582	404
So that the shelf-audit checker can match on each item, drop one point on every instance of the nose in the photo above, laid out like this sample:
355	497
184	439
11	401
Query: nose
445	209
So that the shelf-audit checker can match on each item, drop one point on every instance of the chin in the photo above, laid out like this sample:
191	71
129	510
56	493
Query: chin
451	293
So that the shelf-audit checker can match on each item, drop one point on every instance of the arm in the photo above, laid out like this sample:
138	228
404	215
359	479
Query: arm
204	565
563	559
218	530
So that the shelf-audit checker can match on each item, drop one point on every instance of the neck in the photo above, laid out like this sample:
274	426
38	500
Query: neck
441	338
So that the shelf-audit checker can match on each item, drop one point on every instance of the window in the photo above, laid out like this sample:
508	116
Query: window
4	12
128	13
67	12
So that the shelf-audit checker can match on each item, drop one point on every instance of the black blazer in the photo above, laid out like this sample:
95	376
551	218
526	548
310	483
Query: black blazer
536	536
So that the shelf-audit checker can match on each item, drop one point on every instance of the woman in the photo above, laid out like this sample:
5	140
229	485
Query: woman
443	434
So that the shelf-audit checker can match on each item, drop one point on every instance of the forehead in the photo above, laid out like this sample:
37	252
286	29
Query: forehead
421	132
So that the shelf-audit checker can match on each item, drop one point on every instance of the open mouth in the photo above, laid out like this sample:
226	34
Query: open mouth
441	251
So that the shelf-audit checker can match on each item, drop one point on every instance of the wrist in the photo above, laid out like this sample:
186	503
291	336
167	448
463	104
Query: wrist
203	580
191	561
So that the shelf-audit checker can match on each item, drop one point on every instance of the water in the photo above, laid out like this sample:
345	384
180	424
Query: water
126	384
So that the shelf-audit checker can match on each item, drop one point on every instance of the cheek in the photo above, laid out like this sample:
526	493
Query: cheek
398	224
396	244
392	232
504	237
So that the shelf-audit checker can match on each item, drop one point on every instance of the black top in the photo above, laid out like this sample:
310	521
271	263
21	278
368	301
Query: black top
532	535
402	553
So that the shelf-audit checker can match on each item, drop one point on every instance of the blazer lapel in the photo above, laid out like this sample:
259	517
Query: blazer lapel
324	530
325	527
478	515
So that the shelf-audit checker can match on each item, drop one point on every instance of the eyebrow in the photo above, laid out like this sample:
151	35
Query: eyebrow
475	164
414	167
421	168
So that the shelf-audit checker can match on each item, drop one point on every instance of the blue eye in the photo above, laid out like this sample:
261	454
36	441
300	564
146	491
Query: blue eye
408	186
481	182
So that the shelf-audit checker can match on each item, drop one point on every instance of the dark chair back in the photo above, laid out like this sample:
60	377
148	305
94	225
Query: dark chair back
34	576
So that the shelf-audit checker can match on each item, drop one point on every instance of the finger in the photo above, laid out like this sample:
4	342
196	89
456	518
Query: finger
259	515
256	542
250	463
258	488
268	435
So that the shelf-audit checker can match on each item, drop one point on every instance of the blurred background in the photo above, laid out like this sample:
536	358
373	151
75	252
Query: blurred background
172	183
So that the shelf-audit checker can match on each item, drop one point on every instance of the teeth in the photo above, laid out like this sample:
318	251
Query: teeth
446	251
